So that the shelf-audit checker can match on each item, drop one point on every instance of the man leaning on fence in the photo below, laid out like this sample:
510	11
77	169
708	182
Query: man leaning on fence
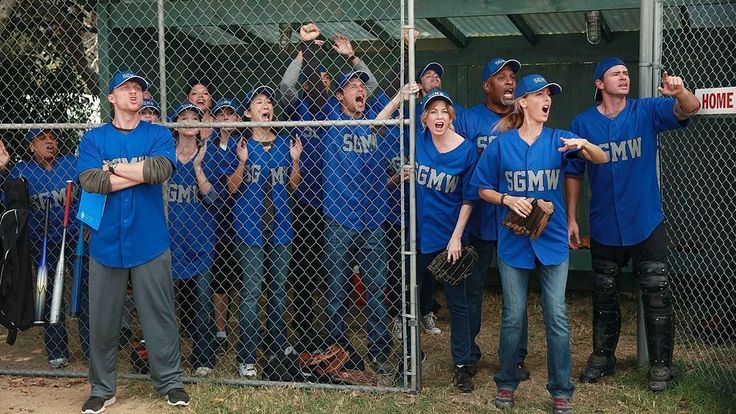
626	218
127	160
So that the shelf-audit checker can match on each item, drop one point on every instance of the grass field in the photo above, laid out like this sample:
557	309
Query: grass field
623	393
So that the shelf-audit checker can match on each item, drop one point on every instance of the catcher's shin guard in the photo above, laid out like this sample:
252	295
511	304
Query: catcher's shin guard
606	310
657	299
606	321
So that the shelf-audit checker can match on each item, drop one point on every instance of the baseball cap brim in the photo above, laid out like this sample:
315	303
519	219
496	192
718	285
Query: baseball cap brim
135	78
260	90
436	67
514	64
346	78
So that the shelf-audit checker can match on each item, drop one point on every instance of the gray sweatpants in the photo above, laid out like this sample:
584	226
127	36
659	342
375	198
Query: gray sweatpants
153	291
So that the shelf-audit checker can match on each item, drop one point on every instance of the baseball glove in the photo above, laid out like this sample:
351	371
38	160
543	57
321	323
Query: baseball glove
328	362
532	225
454	273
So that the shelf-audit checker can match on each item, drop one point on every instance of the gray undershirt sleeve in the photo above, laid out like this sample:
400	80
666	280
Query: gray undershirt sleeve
95	180
156	170
289	81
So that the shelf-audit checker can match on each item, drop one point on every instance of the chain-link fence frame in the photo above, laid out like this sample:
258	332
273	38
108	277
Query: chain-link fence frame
697	175
170	42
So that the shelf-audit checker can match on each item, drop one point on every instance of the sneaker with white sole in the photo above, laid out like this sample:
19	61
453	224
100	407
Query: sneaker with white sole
177	397
248	371
397	328
58	363
203	371
428	323
95	405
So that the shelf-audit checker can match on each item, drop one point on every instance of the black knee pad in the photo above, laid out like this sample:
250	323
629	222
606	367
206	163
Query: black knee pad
655	285
604	282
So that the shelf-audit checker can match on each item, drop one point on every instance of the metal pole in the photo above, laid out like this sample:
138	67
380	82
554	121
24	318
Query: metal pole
647	48
413	293
162	58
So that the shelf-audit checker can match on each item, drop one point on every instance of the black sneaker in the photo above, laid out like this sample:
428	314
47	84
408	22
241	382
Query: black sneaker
472	370
96	405
593	372
177	397
463	380
662	378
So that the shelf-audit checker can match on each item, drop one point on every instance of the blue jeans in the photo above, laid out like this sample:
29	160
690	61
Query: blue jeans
252	260
203	338
371	257
553	281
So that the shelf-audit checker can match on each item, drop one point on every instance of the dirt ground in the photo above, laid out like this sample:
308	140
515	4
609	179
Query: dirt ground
66	395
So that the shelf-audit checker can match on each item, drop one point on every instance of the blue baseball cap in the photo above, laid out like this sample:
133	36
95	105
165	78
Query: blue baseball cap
601	68
124	76
260	90
151	104
345	77
533	83
436	67
185	106
435	94
33	133
496	64
223	103
320	69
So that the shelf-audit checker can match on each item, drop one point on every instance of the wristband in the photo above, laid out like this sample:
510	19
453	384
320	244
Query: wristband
350	59
502	197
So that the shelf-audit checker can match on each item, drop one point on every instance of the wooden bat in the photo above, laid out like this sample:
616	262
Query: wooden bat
42	273
55	314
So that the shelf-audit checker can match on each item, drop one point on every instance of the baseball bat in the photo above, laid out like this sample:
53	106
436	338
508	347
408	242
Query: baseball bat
42	273
55	314
77	275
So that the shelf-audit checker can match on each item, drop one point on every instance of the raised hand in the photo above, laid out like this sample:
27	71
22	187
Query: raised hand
241	150
573	143
671	85
342	45
309	32
4	156
295	148
200	155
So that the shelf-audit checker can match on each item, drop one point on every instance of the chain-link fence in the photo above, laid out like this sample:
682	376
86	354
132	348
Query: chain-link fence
288	241
697	164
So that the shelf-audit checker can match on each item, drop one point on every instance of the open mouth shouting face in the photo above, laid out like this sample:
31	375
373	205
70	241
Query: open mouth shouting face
501	86
537	105
353	96
128	96
438	118
45	145
430	80
200	96
260	109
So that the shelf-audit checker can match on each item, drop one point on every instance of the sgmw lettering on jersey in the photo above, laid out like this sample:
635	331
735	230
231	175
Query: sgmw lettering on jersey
252	173
55	197
436	180
623	150
279	175
127	161
359	144
183	193
482	141
540	180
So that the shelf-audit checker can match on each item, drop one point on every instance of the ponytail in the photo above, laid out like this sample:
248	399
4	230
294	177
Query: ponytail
514	120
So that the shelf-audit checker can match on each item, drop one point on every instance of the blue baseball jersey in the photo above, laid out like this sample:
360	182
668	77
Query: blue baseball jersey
49	186
309	191
133	229
443	183
510	165
191	219
394	161
354	174
273	166
625	205
476	125
221	160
